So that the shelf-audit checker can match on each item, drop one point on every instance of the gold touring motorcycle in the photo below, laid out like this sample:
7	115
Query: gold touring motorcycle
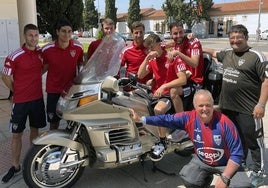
99	131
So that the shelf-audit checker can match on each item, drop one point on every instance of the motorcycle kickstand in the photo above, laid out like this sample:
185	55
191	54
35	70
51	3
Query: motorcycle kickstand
155	168
142	160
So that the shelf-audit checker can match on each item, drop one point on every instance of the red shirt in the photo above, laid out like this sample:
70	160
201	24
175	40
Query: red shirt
159	66
174	67
62	64
132	57
26	68
190	48
92	47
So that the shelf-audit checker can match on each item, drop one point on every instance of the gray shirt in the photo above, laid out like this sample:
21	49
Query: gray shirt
243	73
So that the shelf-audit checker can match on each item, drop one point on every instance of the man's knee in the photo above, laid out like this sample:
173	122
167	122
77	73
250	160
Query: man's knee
159	110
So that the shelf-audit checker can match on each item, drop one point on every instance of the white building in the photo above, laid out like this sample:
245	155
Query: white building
14	14
223	17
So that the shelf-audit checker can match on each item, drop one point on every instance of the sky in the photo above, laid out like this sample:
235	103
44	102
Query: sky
123	5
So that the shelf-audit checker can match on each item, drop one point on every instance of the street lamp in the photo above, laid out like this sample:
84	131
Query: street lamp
258	31
99	24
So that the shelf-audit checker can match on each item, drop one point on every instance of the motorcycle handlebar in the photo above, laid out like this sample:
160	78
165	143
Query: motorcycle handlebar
133	83
144	86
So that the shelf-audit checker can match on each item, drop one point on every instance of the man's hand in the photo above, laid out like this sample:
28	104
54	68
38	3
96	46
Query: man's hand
135	116
152	55
258	112
158	93
220	184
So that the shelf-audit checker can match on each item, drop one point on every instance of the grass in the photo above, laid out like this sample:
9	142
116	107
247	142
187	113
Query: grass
85	47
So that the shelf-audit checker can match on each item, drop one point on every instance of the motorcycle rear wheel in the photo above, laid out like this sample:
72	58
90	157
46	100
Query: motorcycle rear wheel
41	168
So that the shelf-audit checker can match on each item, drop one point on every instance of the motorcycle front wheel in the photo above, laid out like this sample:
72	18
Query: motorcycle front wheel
43	167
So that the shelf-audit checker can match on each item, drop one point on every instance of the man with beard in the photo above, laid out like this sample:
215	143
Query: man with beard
190	51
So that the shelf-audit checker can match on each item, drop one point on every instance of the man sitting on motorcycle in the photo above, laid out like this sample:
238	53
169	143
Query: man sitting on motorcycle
156	62
217	145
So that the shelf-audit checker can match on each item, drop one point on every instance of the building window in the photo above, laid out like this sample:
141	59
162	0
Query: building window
157	27
244	18
229	24
211	27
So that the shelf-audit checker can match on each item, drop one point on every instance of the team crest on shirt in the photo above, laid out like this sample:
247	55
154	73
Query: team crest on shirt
241	62
50	116
14	126
217	139
73	52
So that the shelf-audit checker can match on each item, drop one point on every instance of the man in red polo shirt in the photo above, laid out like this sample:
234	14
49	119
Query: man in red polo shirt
22	74
133	55
108	27
166	75
61	60
190	51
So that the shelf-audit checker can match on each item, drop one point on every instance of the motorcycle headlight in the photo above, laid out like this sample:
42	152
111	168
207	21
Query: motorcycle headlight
64	104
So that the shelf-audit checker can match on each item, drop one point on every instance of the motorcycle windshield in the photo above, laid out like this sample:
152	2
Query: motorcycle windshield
104	62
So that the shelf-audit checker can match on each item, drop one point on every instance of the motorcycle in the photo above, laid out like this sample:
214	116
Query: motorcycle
100	132
213	74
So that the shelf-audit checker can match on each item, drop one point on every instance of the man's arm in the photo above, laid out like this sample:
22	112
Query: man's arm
259	109
210	51
8	80
180	81
228	173
142	72
191	61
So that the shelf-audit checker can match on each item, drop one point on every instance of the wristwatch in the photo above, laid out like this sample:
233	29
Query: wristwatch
225	180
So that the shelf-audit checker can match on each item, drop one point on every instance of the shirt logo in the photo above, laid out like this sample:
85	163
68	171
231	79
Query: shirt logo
210	155
73	52
217	139
241	62
14	126
50	116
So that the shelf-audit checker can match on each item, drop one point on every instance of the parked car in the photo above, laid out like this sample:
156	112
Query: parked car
264	35
86	34
147	33
45	37
187	31
127	36
74	36
167	35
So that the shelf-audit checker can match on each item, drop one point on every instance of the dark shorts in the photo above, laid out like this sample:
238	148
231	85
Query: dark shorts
20	111
52	100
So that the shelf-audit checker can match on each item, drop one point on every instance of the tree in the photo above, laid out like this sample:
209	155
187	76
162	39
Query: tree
91	15
110	10
134	11
188	12
50	12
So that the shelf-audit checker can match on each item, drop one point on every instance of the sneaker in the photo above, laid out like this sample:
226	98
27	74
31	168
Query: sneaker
10	174
157	152
256	179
